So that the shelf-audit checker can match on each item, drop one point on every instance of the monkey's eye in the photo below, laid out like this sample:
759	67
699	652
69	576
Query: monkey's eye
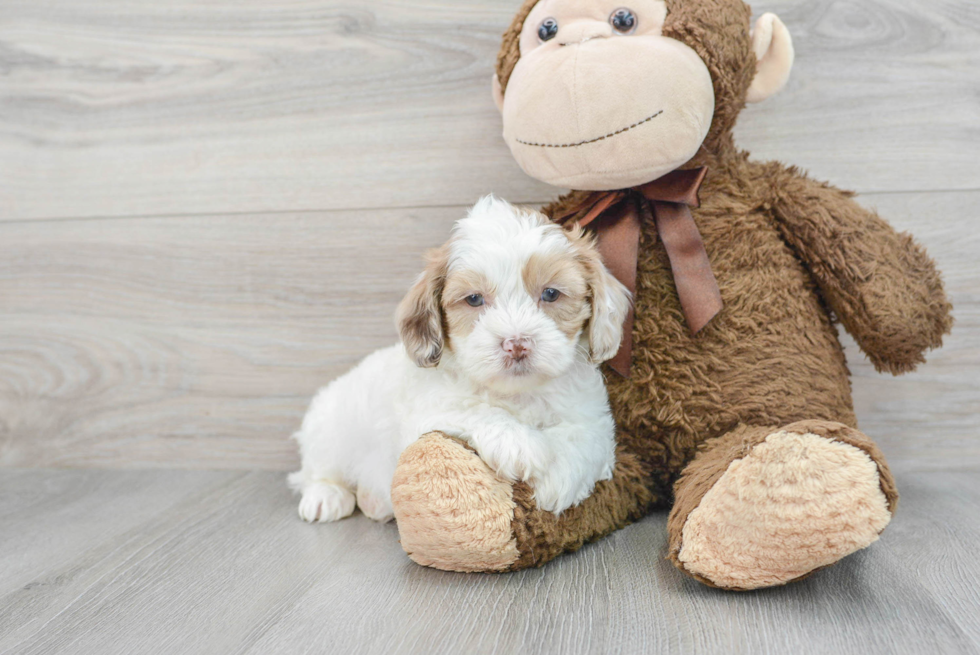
623	20
550	295
547	29
474	300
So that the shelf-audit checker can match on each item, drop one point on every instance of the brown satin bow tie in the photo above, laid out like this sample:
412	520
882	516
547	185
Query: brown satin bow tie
615	216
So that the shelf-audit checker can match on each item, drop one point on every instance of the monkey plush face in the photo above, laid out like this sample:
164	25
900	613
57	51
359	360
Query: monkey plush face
600	96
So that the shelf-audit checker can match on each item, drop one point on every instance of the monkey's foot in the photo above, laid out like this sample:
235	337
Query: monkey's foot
455	514
760	507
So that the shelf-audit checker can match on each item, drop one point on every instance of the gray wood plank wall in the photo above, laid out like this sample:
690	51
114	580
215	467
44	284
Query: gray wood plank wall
207	210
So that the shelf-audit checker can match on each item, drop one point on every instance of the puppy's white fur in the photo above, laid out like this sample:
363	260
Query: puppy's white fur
543	418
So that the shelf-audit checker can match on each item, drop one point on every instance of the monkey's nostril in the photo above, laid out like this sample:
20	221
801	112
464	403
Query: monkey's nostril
578	41
580	33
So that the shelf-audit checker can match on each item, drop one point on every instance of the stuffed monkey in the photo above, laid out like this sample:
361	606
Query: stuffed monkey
733	399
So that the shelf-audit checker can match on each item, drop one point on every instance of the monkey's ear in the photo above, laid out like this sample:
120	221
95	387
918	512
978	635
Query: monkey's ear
774	52
498	93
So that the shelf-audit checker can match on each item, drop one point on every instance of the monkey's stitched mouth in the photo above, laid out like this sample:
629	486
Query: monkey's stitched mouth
588	141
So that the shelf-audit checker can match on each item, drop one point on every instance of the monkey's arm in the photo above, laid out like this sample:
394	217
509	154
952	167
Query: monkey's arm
881	284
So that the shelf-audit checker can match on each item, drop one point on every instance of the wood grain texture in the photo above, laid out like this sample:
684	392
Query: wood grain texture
197	342
205	562
191	342
136	107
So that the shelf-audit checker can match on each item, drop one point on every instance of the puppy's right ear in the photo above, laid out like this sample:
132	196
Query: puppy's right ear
419	316
610	299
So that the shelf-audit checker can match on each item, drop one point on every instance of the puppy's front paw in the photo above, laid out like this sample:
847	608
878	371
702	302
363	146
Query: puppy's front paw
514	460
555	495
323	502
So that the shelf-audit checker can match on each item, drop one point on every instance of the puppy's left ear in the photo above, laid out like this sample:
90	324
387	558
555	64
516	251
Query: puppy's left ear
610	304
419	316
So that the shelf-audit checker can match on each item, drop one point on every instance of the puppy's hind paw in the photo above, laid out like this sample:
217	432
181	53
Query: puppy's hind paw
375	506
323	502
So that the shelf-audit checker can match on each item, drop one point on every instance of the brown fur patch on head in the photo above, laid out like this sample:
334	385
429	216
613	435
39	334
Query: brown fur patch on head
460	316
562	271
419	315
717	30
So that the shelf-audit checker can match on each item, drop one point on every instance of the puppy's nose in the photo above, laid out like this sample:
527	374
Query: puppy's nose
517	348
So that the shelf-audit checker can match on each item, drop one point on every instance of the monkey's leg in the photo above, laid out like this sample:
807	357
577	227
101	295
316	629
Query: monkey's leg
455	514
760	507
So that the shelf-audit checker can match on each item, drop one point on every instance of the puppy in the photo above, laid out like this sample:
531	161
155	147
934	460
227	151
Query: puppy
501	337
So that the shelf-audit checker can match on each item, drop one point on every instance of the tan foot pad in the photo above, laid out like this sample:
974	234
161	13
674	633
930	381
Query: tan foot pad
453	512
796	503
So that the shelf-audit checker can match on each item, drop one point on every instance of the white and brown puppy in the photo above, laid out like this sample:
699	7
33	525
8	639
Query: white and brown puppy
502	335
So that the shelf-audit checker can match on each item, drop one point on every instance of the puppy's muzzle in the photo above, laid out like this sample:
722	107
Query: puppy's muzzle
517	348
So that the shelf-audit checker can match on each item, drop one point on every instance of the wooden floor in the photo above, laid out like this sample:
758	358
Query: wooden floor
210	209
217	562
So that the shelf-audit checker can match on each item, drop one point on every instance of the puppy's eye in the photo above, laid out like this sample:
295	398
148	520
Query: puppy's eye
547	29
474	300
550	295
623	20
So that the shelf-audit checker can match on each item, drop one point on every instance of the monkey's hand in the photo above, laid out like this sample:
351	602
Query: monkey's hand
881	284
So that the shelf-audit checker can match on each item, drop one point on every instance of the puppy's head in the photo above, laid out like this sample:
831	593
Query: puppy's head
514	298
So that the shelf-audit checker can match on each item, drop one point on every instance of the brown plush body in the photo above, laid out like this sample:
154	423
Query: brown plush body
747	428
